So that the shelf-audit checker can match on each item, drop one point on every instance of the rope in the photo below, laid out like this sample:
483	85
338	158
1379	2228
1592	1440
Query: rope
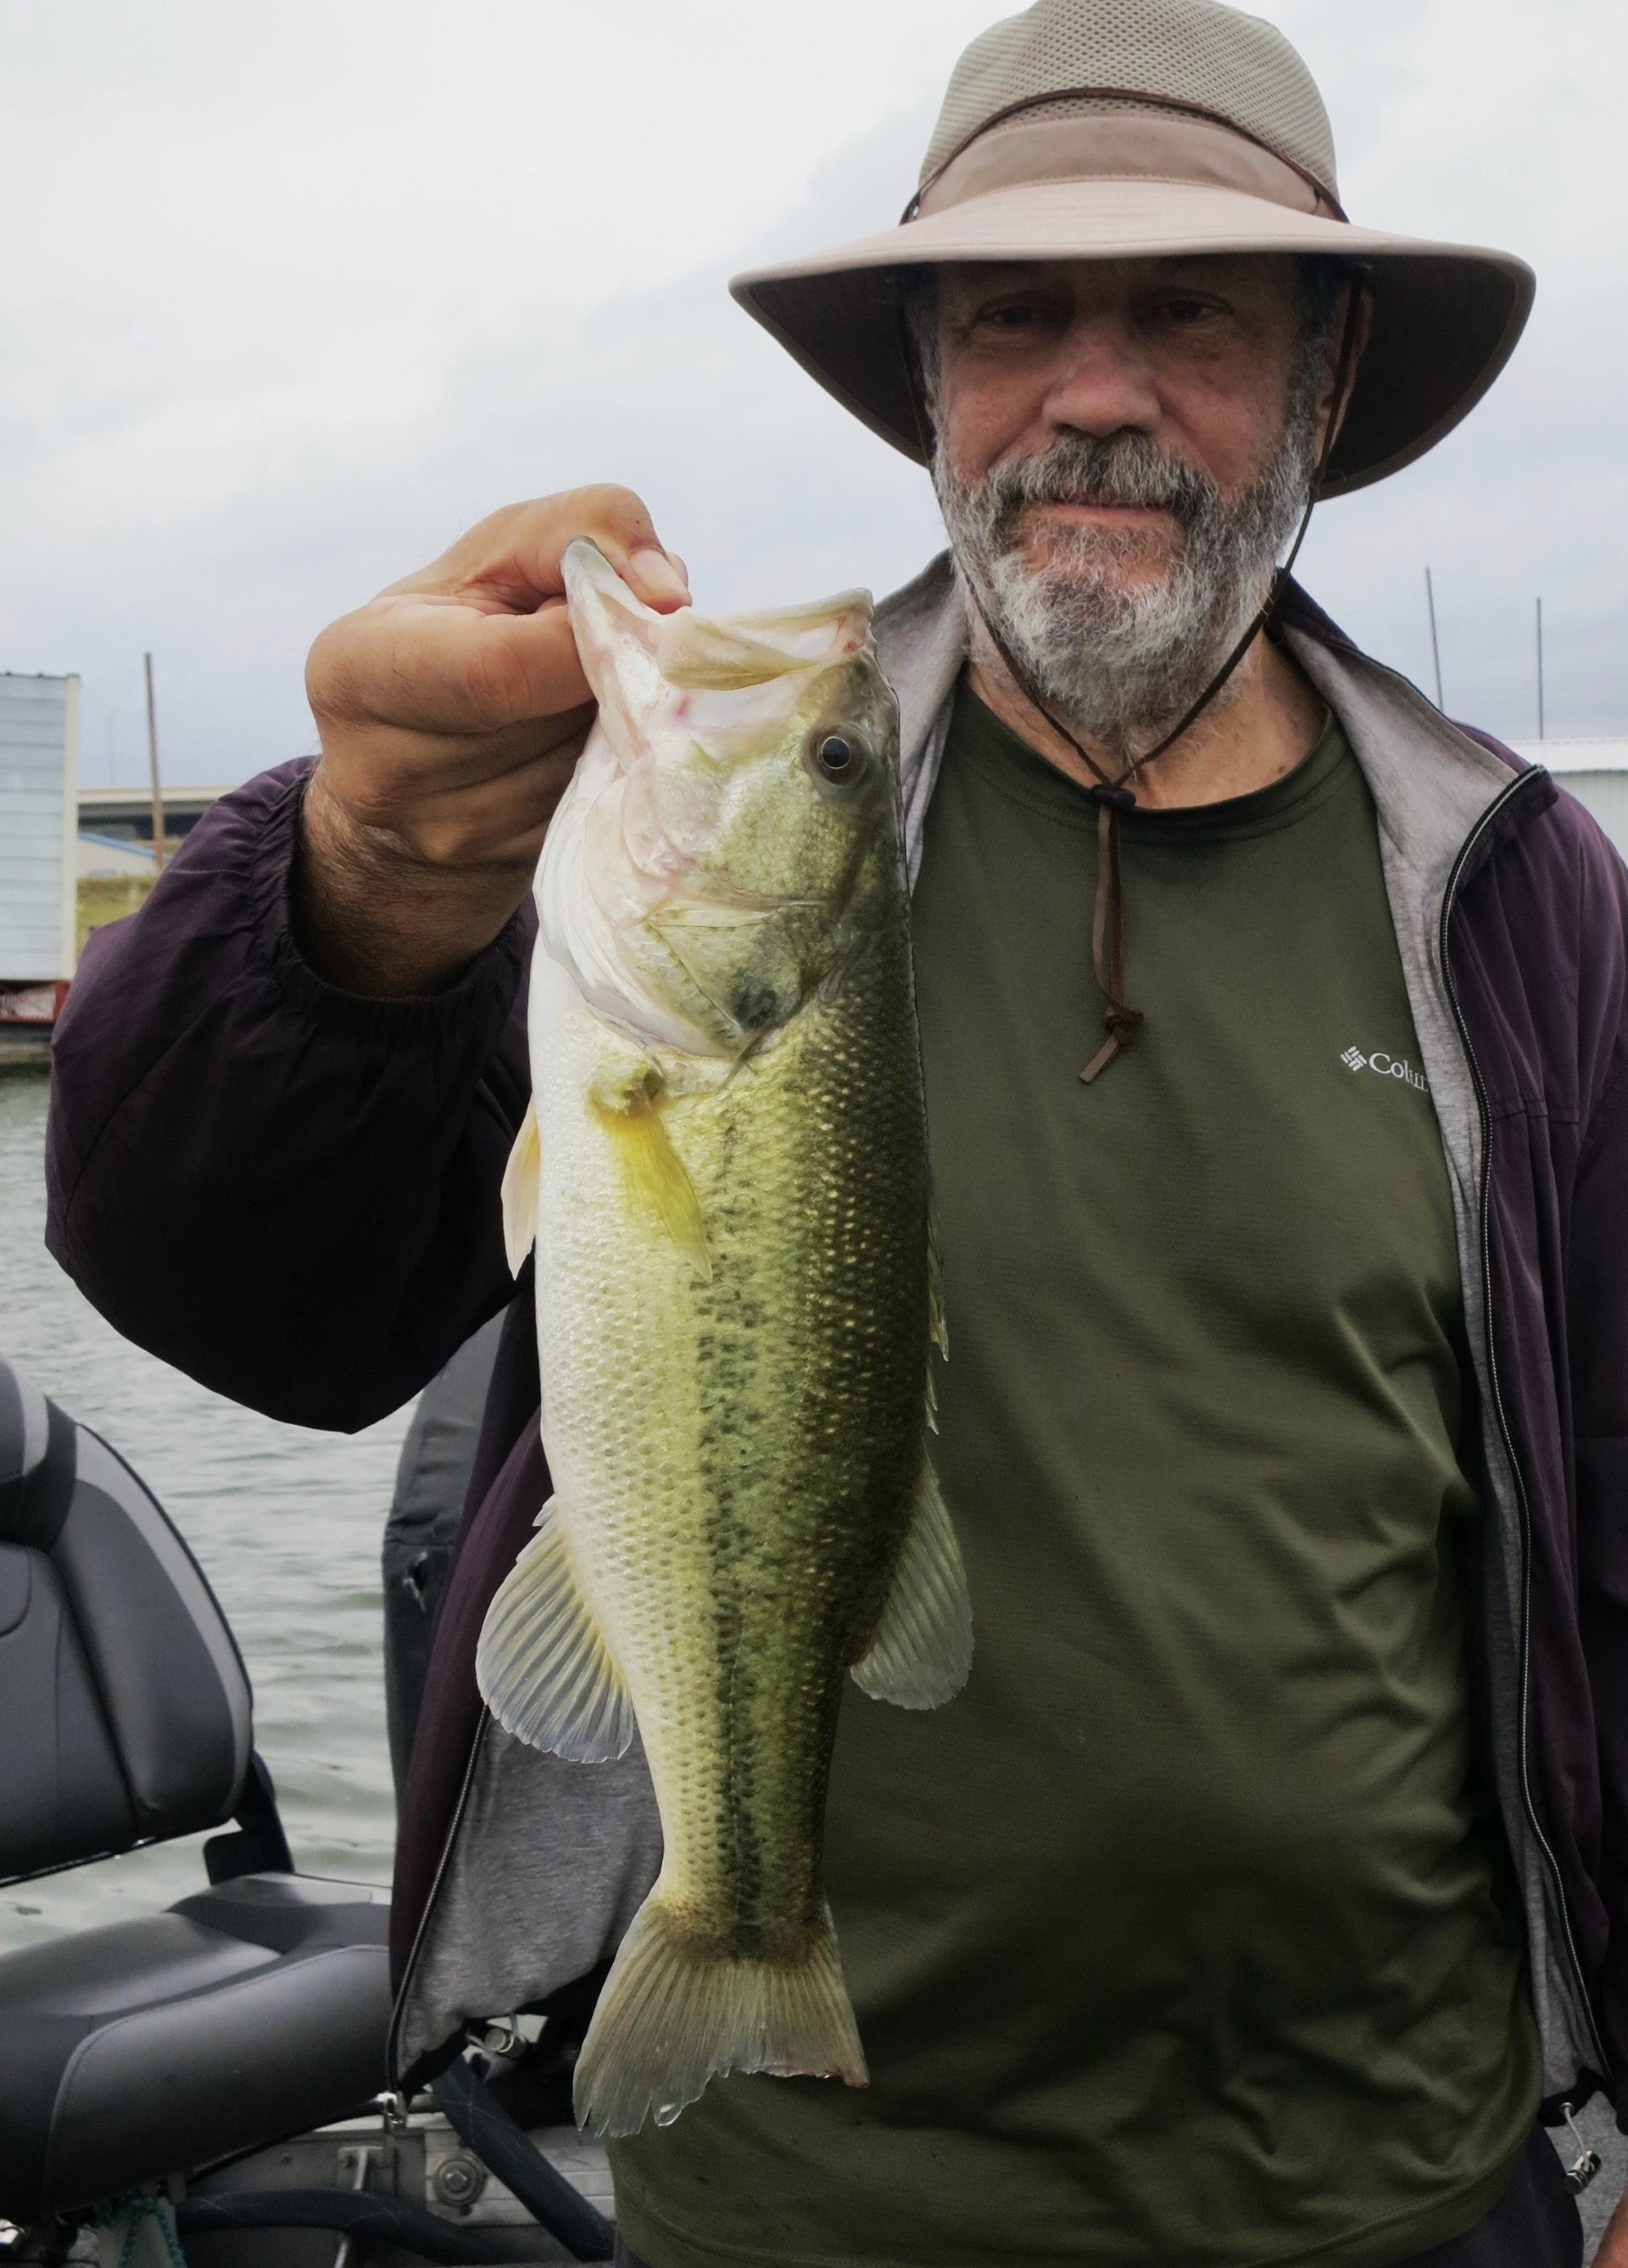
137	2229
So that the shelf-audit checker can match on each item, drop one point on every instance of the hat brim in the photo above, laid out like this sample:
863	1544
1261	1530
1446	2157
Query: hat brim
1446	316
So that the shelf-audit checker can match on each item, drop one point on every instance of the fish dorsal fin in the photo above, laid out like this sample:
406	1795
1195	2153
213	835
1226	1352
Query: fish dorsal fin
542	1664
922	1649
522	1179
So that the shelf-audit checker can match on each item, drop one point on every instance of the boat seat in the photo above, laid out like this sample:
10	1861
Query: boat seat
258	2007
254	2009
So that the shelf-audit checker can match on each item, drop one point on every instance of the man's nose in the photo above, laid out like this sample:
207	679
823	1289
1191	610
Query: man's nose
1103	381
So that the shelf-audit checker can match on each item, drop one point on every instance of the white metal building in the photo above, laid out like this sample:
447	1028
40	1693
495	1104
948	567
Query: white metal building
109	857
1594	771
39	827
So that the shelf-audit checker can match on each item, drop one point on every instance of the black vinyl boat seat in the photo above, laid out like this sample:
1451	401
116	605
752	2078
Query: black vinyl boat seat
250	2011
257	2008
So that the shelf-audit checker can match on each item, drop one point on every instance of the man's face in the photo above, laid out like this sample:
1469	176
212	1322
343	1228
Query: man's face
1123	447
1198	355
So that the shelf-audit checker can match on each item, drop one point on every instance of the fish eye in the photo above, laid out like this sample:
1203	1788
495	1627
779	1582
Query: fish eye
837	757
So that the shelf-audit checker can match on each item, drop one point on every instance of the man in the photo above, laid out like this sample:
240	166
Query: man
1268	1876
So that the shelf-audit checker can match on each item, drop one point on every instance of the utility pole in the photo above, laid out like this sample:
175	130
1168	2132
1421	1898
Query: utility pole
1540	669
1436	643
152	765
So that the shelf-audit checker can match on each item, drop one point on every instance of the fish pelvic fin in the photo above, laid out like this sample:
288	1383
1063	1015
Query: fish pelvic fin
921	1653
522	1179
542	1664
675	2012
653	1173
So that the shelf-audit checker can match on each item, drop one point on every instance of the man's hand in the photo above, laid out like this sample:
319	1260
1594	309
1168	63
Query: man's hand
451	711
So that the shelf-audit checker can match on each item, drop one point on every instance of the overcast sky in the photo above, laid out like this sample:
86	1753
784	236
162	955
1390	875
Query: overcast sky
291	295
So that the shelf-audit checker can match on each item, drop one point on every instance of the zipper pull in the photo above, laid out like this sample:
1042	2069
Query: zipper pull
1585	2165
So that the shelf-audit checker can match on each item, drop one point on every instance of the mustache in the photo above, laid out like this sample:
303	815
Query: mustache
1122	469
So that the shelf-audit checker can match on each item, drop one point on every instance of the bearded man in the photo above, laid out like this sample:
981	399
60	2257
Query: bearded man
1266	1885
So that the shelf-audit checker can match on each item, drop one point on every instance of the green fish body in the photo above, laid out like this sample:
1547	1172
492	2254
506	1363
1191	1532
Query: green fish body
727	1180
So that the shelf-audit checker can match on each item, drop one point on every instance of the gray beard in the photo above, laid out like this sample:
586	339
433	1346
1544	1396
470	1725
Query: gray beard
1122	661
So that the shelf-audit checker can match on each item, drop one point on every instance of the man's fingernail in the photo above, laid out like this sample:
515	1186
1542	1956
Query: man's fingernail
660	578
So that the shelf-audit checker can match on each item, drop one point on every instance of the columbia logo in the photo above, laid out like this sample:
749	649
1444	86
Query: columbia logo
1388	1067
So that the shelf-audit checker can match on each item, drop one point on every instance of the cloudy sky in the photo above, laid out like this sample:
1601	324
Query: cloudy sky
291	295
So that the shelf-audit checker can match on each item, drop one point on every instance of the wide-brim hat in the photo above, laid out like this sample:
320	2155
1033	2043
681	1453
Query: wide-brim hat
1148	129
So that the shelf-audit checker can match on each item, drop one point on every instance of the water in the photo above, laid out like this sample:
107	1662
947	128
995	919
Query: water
285	1523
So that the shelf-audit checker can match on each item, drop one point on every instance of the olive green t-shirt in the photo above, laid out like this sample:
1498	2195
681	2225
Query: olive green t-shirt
1178	1940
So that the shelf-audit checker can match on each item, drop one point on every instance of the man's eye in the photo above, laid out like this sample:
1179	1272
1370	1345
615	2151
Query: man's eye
1185	313
1021	315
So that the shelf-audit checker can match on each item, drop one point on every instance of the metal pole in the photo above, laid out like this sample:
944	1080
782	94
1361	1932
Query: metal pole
1540	669
1436	643
152	762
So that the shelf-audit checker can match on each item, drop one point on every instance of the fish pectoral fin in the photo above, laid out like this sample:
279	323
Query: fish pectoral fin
521	1178
542	1664
922	1649
653	1173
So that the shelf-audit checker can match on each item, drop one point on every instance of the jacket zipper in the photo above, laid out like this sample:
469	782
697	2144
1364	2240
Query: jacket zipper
410	1972
1484	1209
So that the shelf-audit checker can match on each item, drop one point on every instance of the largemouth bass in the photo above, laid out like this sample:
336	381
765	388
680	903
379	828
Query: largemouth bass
726	1177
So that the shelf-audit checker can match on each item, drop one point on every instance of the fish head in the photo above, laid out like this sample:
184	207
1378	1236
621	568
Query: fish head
732	838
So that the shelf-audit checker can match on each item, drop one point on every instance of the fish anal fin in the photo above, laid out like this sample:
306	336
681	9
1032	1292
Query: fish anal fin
522	1179
542	1664
628	1106
676	2011
921	1651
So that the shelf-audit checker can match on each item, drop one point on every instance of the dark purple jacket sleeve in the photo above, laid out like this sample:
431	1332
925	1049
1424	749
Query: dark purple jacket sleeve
289	1192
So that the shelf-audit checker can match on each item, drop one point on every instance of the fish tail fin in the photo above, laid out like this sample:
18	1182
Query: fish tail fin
675	2012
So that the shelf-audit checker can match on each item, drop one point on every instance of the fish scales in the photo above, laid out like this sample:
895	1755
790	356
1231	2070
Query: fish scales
729	1188
746	1456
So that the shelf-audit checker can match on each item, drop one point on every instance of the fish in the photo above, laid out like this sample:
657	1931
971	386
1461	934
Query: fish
724	1177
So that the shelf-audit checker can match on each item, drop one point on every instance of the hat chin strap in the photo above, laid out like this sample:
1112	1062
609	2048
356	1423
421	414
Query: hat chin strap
1112	796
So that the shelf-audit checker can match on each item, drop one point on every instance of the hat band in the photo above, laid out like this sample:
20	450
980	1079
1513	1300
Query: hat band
1120	145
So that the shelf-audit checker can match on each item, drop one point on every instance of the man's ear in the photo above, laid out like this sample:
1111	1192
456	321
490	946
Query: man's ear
1351	354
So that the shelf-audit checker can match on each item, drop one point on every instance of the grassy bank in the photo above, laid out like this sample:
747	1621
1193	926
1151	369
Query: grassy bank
105	898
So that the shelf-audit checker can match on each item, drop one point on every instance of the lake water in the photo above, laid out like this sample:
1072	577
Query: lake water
285	1523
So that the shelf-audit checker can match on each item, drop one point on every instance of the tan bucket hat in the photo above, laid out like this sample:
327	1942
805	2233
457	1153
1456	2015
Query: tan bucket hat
1138	128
